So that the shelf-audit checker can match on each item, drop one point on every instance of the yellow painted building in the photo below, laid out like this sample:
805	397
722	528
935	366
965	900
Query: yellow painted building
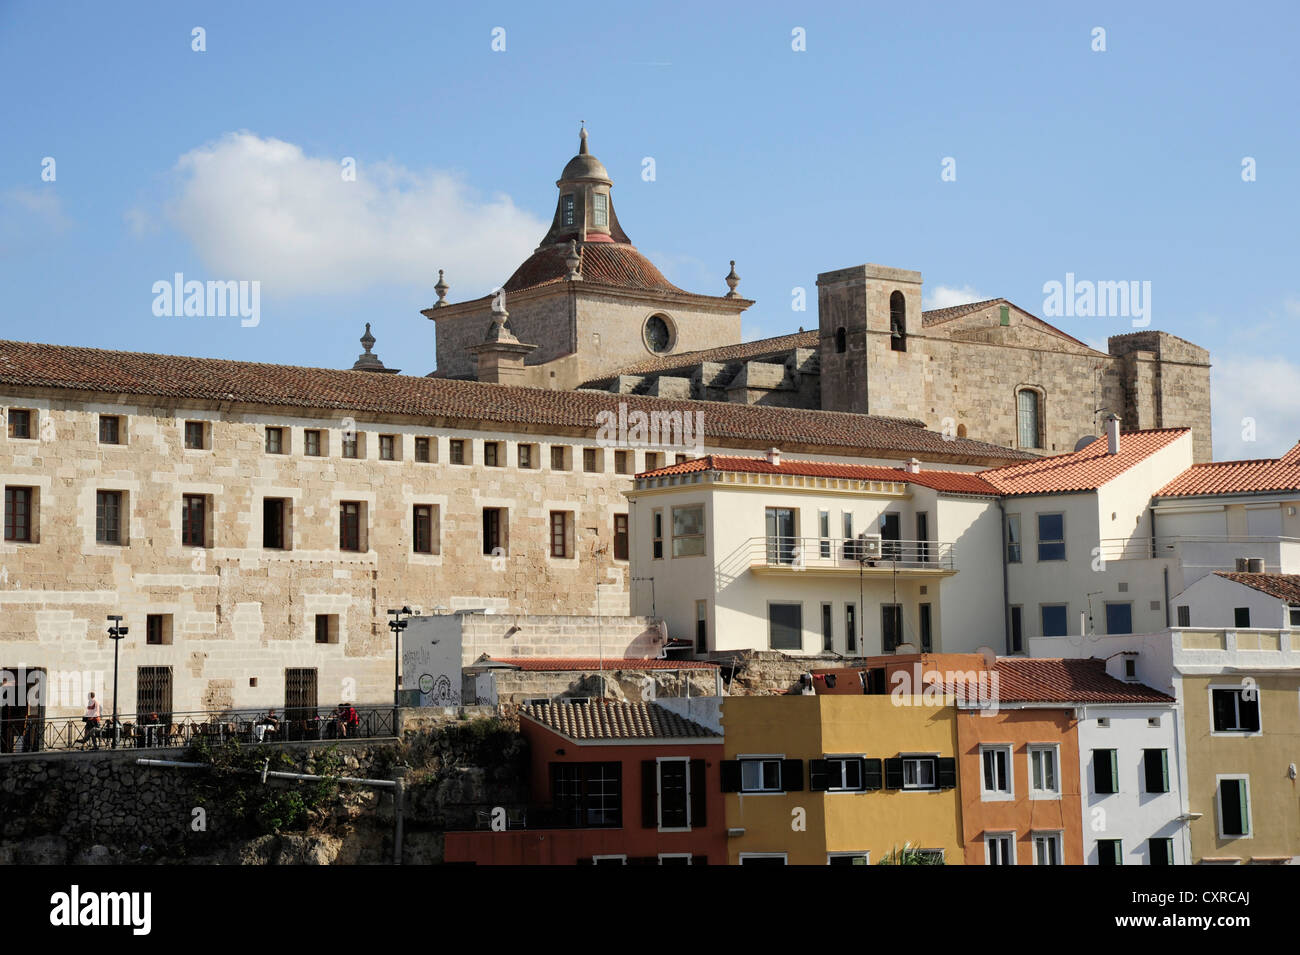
815	779
1227	745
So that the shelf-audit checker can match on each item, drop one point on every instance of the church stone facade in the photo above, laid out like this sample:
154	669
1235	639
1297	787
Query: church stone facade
587	310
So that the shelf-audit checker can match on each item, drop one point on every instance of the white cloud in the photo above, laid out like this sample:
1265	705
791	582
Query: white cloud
1264	390
29	215
257	208
944	296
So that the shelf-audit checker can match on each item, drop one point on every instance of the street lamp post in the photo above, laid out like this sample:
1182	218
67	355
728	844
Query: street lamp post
116	633
397	625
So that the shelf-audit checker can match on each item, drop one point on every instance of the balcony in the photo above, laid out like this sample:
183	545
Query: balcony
869	556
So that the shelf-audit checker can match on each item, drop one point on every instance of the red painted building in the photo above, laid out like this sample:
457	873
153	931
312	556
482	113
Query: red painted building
611	783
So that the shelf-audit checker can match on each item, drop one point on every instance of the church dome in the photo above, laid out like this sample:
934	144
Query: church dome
584	165
604	263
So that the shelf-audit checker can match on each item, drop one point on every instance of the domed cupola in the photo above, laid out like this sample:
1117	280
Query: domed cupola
585	210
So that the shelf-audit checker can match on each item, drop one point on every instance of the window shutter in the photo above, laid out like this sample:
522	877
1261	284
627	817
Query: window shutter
894	773
818	776
947	772
1222	700
1164	770
1245	809
699	796
649	795
792	775
729	770
872	775
1112	758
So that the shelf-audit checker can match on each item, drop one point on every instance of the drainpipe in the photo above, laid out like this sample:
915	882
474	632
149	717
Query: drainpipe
1006	586
1154	553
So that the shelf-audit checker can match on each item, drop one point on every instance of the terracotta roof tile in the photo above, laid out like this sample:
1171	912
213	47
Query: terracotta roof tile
1083	470
609	719
964	482
1282	586
603	263
1056	680
1237	477
471	403
595	664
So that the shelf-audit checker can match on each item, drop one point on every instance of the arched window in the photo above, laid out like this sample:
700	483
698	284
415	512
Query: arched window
1029	418
897	322
841	340
961	431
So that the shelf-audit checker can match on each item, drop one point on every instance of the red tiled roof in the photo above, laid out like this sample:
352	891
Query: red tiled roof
1083	470
594	664
962	482
603	263
1282	586
1056	680
1237	477
609	719
471	403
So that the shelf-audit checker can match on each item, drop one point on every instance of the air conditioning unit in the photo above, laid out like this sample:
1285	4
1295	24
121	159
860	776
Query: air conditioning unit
863	547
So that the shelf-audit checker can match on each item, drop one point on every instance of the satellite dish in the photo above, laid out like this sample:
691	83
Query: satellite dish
1083	442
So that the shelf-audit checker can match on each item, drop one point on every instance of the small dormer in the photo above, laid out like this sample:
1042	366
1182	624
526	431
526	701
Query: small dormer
1124	666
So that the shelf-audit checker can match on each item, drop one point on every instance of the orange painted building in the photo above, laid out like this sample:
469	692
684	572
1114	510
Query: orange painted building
612	783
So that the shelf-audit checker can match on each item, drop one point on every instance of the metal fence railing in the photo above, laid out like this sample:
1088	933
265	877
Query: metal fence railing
850	553
29	734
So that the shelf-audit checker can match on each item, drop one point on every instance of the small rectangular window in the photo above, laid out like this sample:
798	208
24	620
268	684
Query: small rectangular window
1241	617
785	626
1110	852
701	626
760	775
851	628
623	462
494	530
919	773
275	441
1017	629
1155	769
620	537
1161	851
1055	623
996	776
194	520
654	460
311	443
824	532
688	530
327	628
1105	771
110	429
158	629
493	454
1293	615
275	523
566	210
456	451
561	521
351	526
657	545
1047	848
559	458
424	528
1119	618
828	629
110	508
1235	710
423	451
1184	616
1051	537
388	447
1234	808
19	514
20	423
195	435
1013	538
351	444
1000	848
600	210
590	460
527	456
1043	777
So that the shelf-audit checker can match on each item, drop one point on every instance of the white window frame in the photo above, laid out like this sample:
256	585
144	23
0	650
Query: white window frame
659	793
1236	688
675	855
844	757
997	795
990	837
783	856
1055	750
760	757
864	856
598	859
1218	806
916	758
1056	836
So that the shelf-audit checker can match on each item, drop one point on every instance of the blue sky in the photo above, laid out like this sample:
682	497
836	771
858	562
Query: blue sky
224	164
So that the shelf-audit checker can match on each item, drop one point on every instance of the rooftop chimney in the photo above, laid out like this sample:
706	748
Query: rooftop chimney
913	466
774	456
1112	433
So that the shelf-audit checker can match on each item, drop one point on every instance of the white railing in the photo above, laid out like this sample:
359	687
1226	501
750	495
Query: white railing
850	553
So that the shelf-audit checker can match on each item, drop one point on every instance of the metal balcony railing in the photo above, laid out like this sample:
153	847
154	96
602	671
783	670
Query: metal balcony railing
800	553
29	734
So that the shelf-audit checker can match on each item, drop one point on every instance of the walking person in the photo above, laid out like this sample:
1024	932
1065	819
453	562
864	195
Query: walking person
91	718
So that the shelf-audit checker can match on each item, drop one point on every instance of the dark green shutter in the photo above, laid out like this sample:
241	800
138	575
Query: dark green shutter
872	775
1113	757
947	772
818	776
792	775
649	795
729	771
894	773
699	797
